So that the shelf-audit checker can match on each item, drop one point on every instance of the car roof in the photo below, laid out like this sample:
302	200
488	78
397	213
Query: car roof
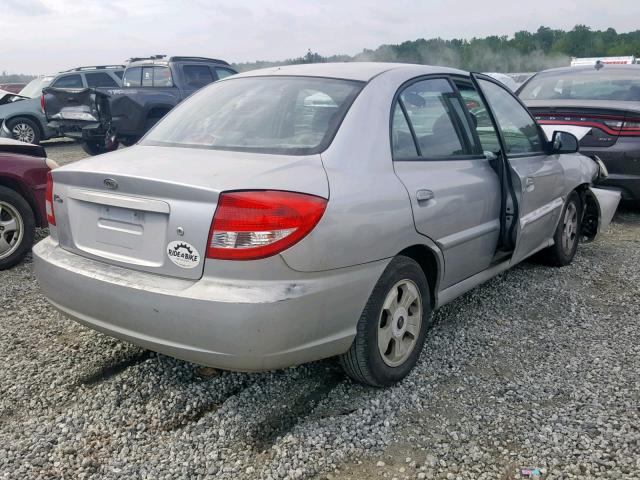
590	68
361	71
163	60
93	68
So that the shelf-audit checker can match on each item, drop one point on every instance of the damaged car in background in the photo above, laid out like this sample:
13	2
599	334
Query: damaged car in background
102	118
215	238
600	105
23	118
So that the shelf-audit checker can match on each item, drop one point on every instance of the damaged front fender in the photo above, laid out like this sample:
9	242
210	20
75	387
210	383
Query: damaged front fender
600	207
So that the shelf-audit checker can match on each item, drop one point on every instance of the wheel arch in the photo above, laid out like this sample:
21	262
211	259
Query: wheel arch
24	192
28	116
431	264
158	111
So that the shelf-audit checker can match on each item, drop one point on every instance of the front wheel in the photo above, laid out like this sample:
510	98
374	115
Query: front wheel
567	234
392	328
17	228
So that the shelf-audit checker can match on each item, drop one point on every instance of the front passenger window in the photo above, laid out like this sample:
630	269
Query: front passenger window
520	131
480	117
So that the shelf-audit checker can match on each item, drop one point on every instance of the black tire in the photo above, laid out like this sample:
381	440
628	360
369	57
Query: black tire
25	130
97	147
562	252
151	122
128	141
12	204
364	362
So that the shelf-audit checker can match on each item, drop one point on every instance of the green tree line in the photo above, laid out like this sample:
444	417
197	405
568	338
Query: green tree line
524	52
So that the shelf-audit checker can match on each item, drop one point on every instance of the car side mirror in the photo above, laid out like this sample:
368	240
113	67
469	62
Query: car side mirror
564	142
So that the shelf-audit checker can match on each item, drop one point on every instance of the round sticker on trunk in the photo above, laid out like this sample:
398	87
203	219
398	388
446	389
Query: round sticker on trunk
183	254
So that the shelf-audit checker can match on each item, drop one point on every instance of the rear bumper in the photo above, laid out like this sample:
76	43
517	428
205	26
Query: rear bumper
225	323
77	130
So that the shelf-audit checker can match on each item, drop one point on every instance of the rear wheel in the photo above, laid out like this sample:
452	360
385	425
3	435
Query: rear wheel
25	130
391	330
17	228
567	234
128	141
97	147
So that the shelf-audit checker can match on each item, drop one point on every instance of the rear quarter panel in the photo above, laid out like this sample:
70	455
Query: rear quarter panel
368	215
28	176
130	106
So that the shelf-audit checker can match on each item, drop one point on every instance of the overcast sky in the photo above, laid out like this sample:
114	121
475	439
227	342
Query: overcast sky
45	36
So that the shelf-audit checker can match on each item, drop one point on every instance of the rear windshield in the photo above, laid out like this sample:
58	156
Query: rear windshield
592	84
33	89
285	115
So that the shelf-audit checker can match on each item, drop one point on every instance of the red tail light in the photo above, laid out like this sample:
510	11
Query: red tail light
42	102
258	224
51	216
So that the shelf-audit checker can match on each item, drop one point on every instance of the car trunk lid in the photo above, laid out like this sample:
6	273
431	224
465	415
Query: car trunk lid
150	208
594	124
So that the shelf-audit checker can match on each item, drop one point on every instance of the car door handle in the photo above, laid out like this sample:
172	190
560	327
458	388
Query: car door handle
424	195
530	184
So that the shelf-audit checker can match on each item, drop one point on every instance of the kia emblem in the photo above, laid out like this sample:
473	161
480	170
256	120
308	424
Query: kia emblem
110	183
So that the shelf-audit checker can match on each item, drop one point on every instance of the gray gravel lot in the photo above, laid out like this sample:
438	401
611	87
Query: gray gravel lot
540	367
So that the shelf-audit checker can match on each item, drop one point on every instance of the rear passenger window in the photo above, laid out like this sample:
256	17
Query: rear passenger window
402	143
431	111
100	79
68	81
197	76
480	117
119	73
132	77
162	77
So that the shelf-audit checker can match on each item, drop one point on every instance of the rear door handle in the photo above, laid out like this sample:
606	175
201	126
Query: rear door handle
424	195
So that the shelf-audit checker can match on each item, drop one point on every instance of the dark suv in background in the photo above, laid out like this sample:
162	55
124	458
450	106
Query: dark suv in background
601	106
101	119
23	119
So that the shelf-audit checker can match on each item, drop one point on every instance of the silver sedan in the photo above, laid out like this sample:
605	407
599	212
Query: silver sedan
297	213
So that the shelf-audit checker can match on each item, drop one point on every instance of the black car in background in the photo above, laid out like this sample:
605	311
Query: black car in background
101	119
600	105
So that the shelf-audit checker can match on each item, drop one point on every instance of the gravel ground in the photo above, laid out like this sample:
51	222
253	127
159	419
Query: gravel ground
539	367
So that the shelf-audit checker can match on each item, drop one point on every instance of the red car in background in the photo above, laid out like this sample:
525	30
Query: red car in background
12	87
24	172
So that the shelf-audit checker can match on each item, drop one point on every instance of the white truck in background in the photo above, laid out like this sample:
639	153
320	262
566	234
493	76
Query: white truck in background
581	62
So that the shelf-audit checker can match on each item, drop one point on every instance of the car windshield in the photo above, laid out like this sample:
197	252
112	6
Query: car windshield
285	115
592	84
33	89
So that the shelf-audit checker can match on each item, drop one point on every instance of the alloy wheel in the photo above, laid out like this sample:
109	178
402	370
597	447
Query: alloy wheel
11	229
23	132
399	323
569	228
